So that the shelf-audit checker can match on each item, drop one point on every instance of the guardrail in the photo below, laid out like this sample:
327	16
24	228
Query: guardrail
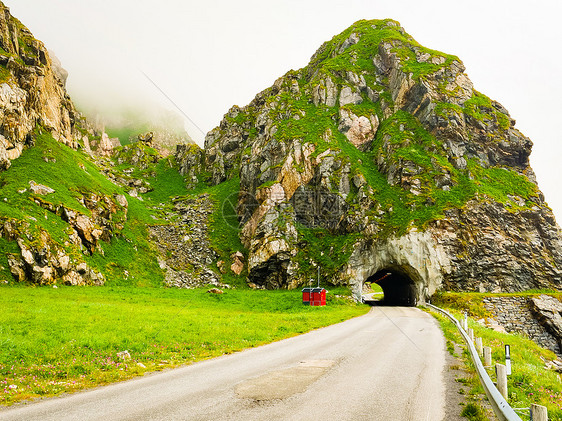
501	408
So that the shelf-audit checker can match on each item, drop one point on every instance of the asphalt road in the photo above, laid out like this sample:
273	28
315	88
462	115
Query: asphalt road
387	365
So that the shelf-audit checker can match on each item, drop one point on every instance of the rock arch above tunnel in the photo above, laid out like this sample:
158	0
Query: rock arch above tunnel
415	260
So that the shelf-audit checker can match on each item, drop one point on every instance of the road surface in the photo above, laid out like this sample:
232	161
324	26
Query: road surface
387	365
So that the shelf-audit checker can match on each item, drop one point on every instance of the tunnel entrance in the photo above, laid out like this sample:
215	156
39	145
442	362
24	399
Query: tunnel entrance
399	289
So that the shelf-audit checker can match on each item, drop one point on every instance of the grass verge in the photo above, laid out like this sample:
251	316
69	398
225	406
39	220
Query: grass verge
530	381
65	339
474	409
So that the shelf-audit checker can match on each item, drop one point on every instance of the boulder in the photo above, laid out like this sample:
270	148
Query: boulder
360	131
237	265
349	96
39	189
548	311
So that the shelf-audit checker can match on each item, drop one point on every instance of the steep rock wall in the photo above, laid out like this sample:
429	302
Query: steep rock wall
31	92
381	154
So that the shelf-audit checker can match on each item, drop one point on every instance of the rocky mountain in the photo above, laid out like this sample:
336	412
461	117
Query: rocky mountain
79	208
379	161
32	93
75	205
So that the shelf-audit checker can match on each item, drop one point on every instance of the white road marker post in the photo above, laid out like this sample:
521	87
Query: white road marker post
508	360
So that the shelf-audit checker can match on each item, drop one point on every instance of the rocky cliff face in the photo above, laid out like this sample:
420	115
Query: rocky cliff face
31	92
97	212
54	226
381	157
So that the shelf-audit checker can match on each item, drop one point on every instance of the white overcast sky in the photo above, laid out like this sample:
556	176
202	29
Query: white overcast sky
208	55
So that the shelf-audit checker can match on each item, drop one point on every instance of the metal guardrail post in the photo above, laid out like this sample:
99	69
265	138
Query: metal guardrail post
501	408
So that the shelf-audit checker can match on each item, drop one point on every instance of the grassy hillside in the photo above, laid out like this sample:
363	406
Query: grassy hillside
65	339
72	174
55	340
128	258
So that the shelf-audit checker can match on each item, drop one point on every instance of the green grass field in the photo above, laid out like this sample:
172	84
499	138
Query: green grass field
65	339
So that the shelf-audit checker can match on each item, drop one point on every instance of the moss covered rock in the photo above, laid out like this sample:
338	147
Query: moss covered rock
31	92
381	150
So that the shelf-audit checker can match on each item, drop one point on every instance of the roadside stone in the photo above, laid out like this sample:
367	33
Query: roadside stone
124	355
237	265
39	189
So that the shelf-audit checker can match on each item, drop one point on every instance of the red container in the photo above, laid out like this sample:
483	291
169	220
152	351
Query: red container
314	296
306	296
318	297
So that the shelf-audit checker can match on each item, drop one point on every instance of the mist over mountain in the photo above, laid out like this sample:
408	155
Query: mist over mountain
128	123
379	155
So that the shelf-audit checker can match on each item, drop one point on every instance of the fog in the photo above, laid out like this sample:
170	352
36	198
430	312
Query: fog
205	57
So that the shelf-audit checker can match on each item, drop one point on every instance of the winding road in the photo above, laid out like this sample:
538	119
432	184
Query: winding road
387	365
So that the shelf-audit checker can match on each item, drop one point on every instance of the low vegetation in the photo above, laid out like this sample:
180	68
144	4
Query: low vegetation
474	409
530	382
55	340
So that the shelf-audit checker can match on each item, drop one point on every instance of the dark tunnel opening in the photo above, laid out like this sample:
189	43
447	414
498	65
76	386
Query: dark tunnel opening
398	288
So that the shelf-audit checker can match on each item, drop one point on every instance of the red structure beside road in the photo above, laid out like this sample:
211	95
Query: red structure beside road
314	296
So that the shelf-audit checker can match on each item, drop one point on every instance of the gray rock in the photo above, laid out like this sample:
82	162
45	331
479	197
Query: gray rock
548	312
39	189
349	96
427	143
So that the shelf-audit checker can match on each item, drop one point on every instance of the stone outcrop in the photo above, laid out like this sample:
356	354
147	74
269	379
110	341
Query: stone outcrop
381	156
539	318
237	265
191	161
141	160
59	71
32	92
104	146
186	254
44	260
515	314
548	311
